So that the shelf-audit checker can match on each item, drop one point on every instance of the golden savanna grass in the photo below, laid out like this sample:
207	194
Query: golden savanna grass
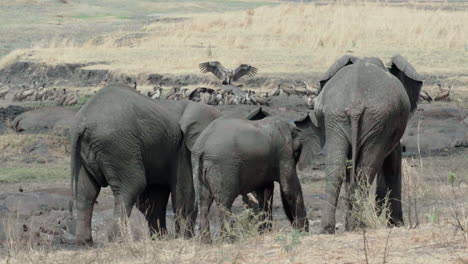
283	38
287	38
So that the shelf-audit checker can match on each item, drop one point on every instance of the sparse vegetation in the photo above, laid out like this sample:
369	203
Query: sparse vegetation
276	38
366	212
24	175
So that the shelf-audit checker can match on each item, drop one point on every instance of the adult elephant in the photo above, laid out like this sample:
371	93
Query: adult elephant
363	108
142	150
235	156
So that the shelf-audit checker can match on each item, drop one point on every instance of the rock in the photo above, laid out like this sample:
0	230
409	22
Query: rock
8	114
43	120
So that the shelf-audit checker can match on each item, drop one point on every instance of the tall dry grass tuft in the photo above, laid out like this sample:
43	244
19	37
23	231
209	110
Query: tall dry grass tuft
366	211
243	226
283	38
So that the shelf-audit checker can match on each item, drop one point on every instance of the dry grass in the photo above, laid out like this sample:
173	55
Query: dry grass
438	184
13	144
284	38
428	244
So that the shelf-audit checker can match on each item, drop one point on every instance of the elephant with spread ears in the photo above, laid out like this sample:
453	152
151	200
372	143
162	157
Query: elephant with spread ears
236	156
142	150
363	108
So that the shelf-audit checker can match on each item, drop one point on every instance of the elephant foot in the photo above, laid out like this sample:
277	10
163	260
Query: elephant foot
70	239
327	229
301	225
266	227
206	239
159	235
393	223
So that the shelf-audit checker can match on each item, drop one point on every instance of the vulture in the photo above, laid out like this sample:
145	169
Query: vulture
424	96
444	94
227	75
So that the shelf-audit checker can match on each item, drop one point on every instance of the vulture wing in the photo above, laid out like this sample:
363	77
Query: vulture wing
214	67
244	69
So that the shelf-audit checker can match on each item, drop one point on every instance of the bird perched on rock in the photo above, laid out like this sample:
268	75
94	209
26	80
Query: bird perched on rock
3	92
225	74
250	98
171	95
61	97
288	89
263	100
444	94
156	93
277	91
424	96
71	99
205	97
311	90
301	89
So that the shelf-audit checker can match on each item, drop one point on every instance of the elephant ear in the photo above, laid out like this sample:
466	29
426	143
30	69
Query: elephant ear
408	76
257	114
340	63
195	119
312	139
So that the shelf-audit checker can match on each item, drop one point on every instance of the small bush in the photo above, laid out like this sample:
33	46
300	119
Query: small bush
366	212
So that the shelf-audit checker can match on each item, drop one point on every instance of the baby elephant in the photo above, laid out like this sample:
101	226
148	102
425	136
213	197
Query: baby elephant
235	156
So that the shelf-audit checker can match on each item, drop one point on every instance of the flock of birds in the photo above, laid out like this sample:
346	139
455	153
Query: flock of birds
226	94
41	93
229	94
233	95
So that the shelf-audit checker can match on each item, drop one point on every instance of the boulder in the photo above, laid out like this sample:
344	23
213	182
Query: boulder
43	120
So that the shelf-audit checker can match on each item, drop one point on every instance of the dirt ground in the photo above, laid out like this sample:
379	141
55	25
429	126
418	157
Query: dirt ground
34	168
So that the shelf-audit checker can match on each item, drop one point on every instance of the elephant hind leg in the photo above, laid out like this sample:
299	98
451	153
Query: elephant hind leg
131	183
336	158
86	195
205	199
153	204
392	180
225	216
224	198
368	167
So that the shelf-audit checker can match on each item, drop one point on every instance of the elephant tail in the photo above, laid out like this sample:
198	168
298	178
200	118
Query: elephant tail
75	162
198	174
355	115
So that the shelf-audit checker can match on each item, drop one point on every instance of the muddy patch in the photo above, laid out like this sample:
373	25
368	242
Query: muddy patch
436	128
43	218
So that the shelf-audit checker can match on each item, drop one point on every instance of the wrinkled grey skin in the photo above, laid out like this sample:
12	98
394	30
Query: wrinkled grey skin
363	109
236	156
141	149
